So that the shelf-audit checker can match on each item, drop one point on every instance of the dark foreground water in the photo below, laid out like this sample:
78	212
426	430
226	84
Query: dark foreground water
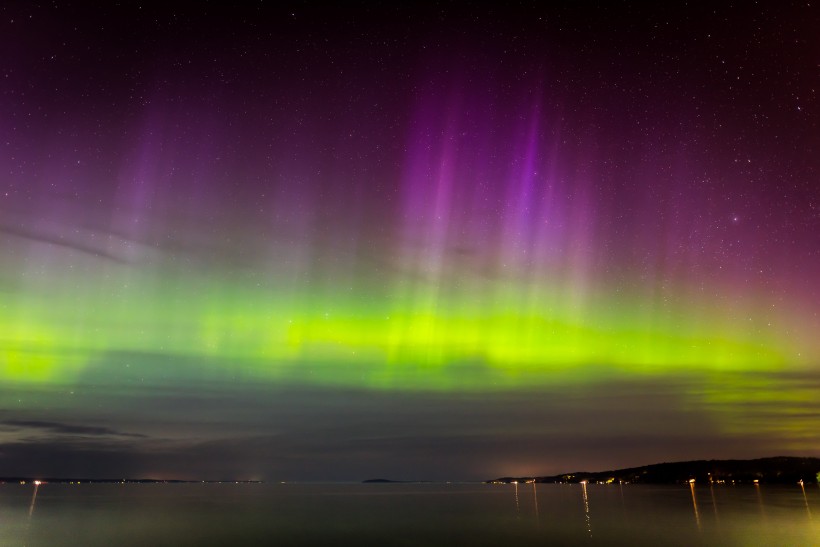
407	514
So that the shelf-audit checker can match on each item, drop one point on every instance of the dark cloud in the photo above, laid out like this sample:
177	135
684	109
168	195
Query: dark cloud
64	240
71	458
298	432
60	428
220	425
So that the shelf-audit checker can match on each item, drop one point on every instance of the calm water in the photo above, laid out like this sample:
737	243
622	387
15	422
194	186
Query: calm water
407	514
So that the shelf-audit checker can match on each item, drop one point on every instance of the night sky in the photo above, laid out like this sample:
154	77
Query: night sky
315	242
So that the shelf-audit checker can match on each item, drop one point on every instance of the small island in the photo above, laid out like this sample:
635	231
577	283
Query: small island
777	470
391	481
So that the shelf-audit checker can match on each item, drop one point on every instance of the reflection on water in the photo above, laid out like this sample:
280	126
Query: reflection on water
33	499
407	514
712	496
695	503
535	501
805	499
586	507
31	510
517	504
760	501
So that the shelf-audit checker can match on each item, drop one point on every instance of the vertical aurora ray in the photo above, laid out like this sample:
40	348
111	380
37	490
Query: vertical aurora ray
496	257
453	207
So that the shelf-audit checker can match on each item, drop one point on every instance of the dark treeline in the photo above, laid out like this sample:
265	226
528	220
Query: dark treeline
778	470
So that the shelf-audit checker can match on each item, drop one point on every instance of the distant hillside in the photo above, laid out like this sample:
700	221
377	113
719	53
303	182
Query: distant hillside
779	470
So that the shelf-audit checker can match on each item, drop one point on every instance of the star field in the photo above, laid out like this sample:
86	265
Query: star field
448	205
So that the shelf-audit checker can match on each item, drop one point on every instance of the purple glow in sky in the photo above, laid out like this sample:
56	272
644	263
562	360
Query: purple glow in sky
306	241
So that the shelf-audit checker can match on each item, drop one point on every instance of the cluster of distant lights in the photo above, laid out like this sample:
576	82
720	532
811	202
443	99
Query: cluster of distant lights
690	482
584	482
124	481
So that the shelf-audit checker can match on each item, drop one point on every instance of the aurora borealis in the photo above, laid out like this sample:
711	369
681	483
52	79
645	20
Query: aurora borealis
309	242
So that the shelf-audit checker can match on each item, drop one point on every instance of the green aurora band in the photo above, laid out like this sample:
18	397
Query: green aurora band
394	345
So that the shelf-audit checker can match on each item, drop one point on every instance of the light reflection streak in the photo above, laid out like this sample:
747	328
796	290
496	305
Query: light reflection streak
760	501
805	499
586	507
714	503
695	503
535	498
31	510
33	499
517	505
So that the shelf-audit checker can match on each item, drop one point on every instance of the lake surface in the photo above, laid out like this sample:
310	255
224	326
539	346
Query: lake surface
407	514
